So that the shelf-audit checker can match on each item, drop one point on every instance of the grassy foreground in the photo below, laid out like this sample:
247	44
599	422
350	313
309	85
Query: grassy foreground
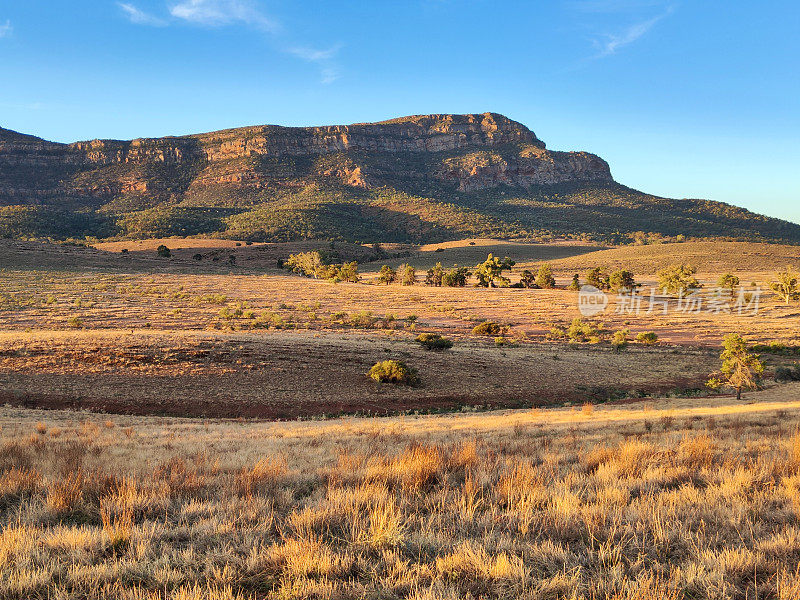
664	500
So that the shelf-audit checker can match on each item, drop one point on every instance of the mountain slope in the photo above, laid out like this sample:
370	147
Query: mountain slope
431	177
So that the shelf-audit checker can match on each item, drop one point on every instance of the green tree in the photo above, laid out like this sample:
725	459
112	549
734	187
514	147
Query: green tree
621	281
528	279
490	272
741	369
576	283
408	274
598	277
728	282
786	285
544	278
434	275
456	277
678	279
387	275
349	272
305	263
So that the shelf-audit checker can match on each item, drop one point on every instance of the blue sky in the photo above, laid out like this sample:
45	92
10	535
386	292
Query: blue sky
684	99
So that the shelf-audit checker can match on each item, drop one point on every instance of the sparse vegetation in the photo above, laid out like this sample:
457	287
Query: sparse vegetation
394	371
434	341
647	338
786	285
678	279
487	328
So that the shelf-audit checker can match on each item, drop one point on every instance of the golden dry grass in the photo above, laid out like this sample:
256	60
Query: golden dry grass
673	499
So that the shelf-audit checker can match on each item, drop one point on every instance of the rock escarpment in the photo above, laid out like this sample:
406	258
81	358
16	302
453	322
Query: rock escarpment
476	151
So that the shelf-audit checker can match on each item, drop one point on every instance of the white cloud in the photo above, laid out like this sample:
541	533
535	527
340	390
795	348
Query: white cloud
5	29
139	17
614	42
214	13
329	72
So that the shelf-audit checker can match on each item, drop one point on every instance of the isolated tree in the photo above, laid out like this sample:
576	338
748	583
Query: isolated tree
528	279
678	279
728	282
349	272
598	278
741	369
620	281
434	275
490	272
576	283
456	277
786	285
407	274
619	341
387	275
163	251
306	263
544	278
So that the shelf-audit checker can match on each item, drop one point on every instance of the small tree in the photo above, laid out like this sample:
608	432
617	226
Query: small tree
456	277
434	275
490	272
387	275
163	251
408	274
544	278
528	279
728	282
576	283
741	369
678	279
598	278
648	338
621	281
349	272
786	285
305	263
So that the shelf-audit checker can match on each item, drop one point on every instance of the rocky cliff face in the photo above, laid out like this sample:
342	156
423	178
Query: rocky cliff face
469	152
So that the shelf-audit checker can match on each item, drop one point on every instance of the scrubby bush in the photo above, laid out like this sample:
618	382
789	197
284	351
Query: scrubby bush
435	275
621	281
163	251
434	341
648	338
620	339
487	328
678	279
456	277
598	278
394	371
575	285
790	373
544	278
408	274
582	331
527	280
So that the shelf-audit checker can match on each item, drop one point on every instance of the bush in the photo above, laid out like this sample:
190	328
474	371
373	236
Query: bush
620	339
393	371
387	275
487	328
434	341
527	280
580	331
648	338
163	251
456	277
621	281
408	274
544	278
791	373
678	279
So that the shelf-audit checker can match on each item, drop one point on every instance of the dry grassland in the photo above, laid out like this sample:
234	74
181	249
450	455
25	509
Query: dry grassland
671	499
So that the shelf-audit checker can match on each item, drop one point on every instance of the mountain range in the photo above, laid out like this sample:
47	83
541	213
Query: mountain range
411	179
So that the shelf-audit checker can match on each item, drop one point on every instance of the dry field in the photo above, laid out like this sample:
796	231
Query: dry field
135	333
669	499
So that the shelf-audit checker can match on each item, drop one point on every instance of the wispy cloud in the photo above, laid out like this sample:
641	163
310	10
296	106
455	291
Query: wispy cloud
140	17
611	43
324	58
5	29
220	13
214	13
